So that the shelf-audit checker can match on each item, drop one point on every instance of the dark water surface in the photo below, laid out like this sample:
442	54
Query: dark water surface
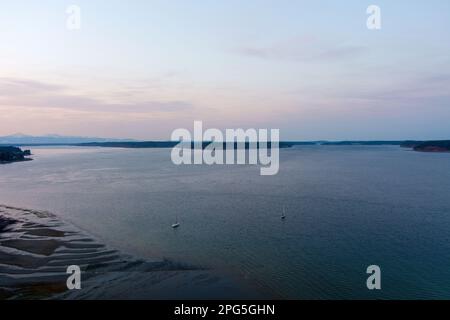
347	208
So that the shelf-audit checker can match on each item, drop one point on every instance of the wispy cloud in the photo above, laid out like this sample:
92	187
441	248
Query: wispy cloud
304	49
427	91
35	94
14	86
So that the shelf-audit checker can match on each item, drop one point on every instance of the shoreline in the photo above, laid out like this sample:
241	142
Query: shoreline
22	160
36	248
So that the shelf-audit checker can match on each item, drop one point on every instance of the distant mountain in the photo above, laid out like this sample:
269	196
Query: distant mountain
22	139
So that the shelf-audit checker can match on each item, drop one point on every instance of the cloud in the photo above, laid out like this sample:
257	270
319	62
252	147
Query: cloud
35	94
12	86
428	91
304	50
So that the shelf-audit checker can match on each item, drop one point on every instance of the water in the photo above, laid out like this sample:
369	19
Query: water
347	208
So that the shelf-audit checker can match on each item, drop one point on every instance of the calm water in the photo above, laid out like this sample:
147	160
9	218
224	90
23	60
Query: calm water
347	208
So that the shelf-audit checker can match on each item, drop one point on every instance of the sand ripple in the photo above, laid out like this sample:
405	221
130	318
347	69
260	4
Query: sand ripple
36	248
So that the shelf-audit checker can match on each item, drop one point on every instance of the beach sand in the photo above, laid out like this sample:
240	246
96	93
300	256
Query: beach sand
36	248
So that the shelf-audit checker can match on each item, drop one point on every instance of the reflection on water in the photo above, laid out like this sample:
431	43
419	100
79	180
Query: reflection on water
346	208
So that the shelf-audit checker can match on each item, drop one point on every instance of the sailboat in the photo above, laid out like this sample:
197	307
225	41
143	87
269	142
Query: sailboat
283	215
176	224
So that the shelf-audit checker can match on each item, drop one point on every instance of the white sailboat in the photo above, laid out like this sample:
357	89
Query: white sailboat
283	215
176	224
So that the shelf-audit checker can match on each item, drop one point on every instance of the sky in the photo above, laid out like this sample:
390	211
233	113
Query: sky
141	69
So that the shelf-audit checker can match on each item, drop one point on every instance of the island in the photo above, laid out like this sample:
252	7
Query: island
12	154
433	146
172	144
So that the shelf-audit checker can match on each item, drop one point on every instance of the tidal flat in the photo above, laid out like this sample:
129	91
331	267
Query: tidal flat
36	249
